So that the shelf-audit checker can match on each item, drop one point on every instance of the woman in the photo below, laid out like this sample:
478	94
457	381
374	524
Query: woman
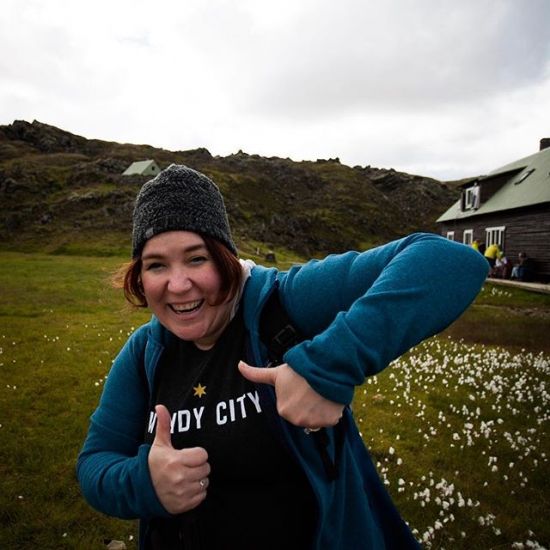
209	449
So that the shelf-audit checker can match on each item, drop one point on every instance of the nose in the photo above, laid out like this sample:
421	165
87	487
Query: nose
179	281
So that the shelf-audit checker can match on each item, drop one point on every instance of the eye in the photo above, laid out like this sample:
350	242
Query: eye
153	266
198	260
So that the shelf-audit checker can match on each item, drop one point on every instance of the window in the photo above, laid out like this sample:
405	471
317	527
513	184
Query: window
451	235
524	176
495	235
471	198
468	236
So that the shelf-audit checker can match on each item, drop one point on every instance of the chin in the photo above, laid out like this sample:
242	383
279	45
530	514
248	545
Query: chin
183	333
187	335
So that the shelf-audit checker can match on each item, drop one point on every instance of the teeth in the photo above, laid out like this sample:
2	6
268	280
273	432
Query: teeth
184	308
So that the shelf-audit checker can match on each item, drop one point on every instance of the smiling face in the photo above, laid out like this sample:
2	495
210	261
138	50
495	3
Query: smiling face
181	284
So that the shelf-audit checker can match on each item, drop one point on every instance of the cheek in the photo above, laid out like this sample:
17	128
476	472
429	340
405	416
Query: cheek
150	288
212	284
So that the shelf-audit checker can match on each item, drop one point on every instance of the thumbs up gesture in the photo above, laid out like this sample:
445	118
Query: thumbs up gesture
297	401
180	477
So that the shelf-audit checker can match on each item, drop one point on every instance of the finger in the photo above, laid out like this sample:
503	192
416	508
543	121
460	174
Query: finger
162	434
258	375
194	475
194	501
203	483
194	457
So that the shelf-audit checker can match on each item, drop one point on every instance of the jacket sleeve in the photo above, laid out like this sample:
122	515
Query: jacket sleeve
112	467
360	311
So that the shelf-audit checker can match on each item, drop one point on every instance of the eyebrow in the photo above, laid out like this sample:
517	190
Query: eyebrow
187	250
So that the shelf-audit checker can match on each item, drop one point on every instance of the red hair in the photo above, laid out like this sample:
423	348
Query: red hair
229	268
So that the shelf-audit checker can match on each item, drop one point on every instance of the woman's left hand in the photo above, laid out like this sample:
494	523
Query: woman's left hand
297	401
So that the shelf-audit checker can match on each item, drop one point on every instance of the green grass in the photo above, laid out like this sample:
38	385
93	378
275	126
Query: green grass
458	434
256	251
508	317
61	325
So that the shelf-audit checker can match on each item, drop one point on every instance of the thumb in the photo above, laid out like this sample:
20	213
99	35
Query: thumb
162	434
259	375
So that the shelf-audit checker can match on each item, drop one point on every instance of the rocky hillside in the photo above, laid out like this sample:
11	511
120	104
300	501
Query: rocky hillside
62	192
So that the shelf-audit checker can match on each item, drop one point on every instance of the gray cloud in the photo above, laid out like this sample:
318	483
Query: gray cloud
405	55
427	86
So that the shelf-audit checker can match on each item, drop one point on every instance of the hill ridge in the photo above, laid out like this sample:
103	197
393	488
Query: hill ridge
59	190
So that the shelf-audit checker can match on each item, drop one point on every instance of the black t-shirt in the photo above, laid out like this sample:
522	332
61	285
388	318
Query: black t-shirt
258	497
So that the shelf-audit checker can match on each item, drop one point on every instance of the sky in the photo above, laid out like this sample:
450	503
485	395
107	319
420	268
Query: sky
440	88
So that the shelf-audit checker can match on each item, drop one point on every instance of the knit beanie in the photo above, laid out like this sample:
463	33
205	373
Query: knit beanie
180	199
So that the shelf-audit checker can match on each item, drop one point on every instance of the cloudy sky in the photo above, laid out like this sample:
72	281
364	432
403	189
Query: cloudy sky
441	88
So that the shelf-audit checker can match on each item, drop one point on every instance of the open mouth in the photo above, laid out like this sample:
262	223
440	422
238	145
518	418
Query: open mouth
186	308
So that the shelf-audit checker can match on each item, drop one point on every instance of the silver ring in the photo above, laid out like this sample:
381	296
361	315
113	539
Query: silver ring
202	483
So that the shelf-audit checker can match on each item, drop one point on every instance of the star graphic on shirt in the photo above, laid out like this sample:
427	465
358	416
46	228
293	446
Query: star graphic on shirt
200	390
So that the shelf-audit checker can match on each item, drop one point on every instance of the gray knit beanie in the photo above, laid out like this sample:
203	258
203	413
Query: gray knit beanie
180	199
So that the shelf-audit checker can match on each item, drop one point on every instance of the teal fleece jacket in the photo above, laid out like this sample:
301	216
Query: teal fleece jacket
358	312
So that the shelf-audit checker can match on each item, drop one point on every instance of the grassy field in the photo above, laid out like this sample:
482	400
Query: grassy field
457	427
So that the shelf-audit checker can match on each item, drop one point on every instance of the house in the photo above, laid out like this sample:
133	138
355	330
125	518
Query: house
142	168
510	207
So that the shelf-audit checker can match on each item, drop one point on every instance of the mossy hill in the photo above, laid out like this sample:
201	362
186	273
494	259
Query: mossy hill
60	192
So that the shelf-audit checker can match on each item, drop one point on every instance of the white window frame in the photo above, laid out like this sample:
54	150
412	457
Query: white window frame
451	235
495	235
471	198
468	236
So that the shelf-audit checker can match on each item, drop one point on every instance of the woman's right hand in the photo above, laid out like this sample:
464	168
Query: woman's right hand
180	476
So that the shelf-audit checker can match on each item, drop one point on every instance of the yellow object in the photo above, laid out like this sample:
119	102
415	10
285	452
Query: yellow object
492	251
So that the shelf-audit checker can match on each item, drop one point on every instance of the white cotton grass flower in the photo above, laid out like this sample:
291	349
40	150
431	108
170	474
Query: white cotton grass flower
487	390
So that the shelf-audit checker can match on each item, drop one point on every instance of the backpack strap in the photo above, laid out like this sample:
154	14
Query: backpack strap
276	329
279	334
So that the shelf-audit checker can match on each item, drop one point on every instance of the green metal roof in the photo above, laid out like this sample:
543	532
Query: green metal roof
534	170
